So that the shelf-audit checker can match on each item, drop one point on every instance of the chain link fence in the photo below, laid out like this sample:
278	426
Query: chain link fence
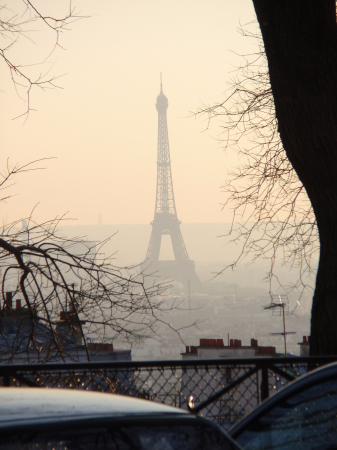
221	390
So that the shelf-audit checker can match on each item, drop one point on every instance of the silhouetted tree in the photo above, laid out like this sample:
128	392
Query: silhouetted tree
58	291
293	97
300	40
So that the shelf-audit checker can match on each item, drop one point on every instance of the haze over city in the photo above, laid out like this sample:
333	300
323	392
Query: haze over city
99	128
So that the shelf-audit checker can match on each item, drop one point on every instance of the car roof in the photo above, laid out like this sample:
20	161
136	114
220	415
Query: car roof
39	404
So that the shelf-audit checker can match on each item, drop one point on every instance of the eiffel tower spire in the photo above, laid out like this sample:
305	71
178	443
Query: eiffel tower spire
165	220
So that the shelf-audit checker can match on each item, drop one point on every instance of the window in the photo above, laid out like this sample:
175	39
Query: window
178	437
307	420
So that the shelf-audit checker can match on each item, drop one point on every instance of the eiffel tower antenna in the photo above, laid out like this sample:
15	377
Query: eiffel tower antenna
165	220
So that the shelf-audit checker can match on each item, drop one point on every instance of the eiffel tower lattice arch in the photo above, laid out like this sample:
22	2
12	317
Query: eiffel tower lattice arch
165	220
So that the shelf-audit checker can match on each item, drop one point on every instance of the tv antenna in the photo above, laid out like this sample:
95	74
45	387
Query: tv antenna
280	307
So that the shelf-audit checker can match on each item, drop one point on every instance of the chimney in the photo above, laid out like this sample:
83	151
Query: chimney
18	304
187	349
100	347
193	349
219	342
304	346
9	300
231	342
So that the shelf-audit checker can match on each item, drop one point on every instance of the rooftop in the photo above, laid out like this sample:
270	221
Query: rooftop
234	345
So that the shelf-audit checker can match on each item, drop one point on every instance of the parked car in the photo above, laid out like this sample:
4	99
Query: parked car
35	418
301	416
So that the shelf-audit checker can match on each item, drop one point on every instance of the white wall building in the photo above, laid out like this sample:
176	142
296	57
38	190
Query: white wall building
204	382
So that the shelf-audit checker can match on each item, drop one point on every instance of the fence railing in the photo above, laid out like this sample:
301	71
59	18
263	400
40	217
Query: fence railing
221	390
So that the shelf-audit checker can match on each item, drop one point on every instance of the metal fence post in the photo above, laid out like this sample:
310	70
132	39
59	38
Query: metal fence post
264	384
6	380
258	388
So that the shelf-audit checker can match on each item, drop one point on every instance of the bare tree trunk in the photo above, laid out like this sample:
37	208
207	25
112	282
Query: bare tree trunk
301	47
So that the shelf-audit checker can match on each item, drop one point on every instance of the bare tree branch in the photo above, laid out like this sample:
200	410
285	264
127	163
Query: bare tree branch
66	290
17	23
272	216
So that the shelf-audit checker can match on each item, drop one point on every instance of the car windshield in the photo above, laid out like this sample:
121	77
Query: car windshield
155	438
306	420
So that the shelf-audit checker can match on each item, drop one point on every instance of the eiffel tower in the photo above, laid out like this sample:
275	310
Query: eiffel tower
165	220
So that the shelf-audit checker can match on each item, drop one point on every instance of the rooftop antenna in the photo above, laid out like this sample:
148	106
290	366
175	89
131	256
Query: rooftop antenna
161	82
280	306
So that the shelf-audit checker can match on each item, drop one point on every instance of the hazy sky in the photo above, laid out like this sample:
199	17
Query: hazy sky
102	126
